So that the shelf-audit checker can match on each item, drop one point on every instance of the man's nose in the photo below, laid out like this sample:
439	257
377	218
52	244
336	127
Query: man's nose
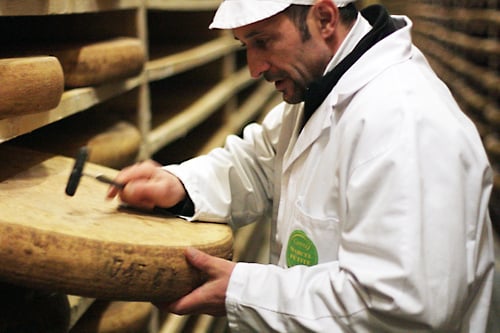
256	64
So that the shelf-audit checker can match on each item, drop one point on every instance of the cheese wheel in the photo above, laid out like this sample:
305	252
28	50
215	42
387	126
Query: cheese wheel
115	317
112	142
30	85
116	147
88	246
94	63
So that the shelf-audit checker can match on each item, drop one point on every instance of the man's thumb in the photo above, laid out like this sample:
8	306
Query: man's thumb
196	258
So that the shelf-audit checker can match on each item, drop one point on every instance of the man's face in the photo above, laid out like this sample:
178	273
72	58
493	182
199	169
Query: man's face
276	51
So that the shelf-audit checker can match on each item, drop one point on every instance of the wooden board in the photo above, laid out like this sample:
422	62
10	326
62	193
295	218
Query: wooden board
84	245
115	317
29	85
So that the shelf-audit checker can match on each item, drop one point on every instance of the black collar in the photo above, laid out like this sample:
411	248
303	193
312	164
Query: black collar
382	26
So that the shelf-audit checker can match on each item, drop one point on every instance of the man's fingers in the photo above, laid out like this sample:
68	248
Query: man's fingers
143	170
197	258
209	298
139	194
212	266
192	303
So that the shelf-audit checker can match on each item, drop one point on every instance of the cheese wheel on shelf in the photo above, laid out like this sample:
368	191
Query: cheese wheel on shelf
112	142
116	147
29	85
94	63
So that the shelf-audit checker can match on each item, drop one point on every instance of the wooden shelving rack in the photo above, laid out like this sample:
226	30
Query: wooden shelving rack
192	77
461	40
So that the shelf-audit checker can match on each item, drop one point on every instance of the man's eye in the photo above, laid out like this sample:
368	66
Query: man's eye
260	43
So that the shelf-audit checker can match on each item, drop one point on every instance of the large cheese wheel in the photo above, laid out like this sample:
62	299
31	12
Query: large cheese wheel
94	63
88	246
112	142
115	317
29	85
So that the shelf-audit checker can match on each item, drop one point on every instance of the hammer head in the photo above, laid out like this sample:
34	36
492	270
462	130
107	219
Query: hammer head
77	171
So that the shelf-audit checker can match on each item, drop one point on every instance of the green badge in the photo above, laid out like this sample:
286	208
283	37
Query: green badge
301	250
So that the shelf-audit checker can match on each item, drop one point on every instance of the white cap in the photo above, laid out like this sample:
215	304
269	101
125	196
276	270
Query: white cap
237	13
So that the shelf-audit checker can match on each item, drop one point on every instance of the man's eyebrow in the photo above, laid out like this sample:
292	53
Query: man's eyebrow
249	35
252	34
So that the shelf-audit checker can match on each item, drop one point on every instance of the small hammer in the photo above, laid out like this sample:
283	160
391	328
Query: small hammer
77	173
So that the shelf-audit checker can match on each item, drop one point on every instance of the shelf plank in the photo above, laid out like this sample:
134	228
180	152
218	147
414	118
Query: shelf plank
472	102
182	61
72	101
183	4
252	108
455	14
174	323
472	44
78	305
37	7
484	77
181	124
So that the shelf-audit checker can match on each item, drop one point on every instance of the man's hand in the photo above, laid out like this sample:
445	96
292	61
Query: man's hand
210	297
147	185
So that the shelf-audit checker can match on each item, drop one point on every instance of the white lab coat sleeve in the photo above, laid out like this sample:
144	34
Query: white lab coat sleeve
234	184
414	236
267	298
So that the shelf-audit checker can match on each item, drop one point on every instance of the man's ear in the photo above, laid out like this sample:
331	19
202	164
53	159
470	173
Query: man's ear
326	17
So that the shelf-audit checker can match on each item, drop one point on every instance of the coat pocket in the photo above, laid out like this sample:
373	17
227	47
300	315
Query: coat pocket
310	239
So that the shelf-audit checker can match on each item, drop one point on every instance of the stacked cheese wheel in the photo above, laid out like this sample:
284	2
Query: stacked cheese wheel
34	80
29	85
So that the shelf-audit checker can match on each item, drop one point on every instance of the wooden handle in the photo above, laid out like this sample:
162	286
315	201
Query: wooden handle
29	85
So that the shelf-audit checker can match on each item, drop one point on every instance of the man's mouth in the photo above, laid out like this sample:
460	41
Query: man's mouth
279	85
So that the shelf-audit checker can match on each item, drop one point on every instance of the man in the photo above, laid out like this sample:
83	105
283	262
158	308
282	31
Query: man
376	183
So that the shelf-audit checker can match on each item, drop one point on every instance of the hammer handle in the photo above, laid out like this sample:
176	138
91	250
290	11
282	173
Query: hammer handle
106	180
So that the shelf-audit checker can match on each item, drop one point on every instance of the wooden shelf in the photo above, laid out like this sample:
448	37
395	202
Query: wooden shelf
471	44
72	101
78	305
185	5
38	7
474	17
258	102
198	111
176	63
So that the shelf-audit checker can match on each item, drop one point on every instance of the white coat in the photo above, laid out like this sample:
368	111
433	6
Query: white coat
384	192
